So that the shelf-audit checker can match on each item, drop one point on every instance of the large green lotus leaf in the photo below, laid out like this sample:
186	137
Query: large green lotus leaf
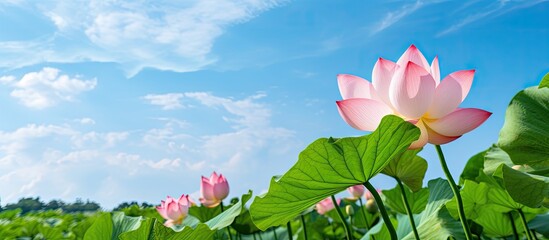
204	213
244	224
471	170
544	81
474	196
493	158
124	223
227	217
417	200
498	224
435	222
528	189
151	229
379	231
539	224
329	166
525	133
107	227
409	168
101	229
499	199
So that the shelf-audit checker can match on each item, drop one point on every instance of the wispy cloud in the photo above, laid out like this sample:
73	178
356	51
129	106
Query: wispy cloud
168	101
46	87
493	10
165	35
62	158
395	16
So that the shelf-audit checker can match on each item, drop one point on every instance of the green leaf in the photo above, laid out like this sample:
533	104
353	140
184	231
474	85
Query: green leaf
539	224
244	224
144	232
474	196
102	228
122	223
497	224
528	189
409	168
327	167
193	229
379	231
204	213
525	133
417	200
435	222
494	157
471	170
227	217
544	81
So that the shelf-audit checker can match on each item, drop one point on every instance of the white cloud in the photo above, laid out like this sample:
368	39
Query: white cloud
100	139
492	10
167	101
85	121
47	87
164	163
62	161
166	35
395	16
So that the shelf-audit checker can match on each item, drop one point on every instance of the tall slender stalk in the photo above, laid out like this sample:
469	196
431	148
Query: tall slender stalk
228	227
515	233
348	233
455	189
382	210
407	206
365	217
304	227
290	234
525	224
274	232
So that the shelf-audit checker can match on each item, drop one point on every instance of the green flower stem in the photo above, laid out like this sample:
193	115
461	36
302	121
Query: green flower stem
408	209
455	189
365	217
515	233
290	234
253	234
274	233
382	210
348	233
228	227
304	227
525	224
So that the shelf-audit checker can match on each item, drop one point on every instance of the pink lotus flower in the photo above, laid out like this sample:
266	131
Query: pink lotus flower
174	211
326	205
356	191
411	89
213	190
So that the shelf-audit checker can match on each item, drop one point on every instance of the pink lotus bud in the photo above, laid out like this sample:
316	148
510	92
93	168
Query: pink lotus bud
213	190
326	205
412	89
356	191
174	210
368	195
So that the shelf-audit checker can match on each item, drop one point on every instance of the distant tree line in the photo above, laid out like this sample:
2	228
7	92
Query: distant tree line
124	205
35	204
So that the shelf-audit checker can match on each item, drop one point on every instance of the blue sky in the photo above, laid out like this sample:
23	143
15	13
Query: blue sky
119	101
